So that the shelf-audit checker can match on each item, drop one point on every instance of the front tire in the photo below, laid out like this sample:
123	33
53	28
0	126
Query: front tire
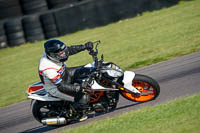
148	87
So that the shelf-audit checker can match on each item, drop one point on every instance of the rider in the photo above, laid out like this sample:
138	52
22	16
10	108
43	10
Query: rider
58	79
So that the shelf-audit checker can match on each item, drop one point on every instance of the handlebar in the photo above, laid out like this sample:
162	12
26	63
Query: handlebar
91	51
94	54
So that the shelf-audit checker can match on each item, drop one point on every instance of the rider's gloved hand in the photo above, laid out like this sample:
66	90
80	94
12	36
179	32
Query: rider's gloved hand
88	45
84	85
85	88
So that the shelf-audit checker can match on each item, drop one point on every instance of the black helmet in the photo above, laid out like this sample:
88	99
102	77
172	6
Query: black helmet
56	50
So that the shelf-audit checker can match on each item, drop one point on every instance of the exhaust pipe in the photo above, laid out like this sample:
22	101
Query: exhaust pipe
54	121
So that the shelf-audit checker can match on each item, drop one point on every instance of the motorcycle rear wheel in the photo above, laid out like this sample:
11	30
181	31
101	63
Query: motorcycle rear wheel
42	110
148	87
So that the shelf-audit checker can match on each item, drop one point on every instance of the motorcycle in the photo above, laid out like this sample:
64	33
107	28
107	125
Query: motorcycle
105	82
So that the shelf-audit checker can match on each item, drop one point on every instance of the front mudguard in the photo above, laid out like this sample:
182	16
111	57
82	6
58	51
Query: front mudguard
128	80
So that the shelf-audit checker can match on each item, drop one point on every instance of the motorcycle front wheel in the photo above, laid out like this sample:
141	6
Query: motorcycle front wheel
148	87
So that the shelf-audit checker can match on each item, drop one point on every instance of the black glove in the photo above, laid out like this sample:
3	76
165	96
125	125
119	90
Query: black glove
84	85
85	88
88	90
89	45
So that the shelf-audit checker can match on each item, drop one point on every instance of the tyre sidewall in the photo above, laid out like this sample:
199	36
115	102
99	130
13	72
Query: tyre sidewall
149	80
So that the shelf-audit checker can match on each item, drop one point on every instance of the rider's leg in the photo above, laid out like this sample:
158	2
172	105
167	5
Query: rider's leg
82	104
81	100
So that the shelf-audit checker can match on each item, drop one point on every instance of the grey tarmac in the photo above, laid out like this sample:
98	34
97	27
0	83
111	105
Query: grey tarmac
177	77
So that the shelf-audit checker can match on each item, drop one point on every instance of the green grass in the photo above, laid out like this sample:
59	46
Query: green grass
135	42
179	116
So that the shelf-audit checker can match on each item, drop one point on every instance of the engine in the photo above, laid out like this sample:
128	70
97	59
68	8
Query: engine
107	102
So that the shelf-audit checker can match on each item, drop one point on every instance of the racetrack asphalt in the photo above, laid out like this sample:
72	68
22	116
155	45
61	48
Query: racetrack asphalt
177	77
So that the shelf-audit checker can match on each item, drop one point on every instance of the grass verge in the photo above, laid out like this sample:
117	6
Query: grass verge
179	116
135	42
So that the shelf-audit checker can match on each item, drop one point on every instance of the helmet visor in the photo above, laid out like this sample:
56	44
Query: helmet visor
61	56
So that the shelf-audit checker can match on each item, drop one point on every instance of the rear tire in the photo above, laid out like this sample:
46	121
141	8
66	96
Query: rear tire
148	87
42	109
48	109
36	106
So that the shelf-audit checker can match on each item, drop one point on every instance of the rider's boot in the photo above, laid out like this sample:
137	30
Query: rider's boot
82	106
84	114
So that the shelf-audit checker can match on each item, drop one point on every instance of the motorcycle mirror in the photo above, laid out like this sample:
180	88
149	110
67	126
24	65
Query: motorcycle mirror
97	43
102	57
